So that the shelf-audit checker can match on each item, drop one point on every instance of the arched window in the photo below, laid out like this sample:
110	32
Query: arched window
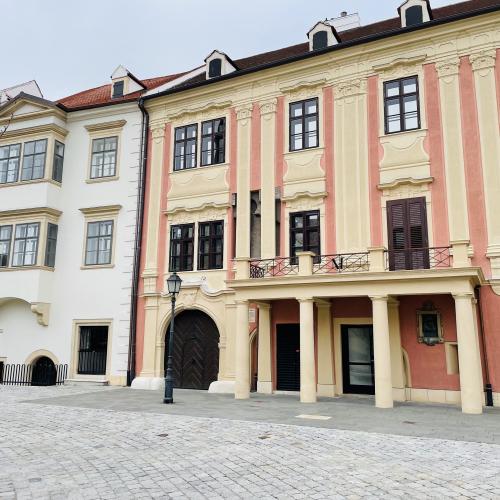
320	40
215	68
414	15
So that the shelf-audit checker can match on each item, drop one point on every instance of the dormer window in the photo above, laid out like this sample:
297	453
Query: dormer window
322	35
320	40
118	88
414	13
215	68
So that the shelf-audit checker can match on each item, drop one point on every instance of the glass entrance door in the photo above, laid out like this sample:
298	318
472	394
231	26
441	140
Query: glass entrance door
357	359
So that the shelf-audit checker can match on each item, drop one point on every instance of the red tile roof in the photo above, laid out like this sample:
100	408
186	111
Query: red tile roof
101	96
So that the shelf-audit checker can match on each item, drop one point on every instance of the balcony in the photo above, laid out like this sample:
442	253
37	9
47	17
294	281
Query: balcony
375	260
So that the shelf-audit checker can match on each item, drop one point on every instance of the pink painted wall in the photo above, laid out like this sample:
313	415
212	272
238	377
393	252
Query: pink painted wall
356	307
329	167
375	154
490	304
428	364
435	149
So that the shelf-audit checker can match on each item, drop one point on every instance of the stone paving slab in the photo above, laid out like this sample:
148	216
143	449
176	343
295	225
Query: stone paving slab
68	452
348	413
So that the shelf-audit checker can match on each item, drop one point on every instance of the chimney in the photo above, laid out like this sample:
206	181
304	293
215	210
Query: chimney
345	21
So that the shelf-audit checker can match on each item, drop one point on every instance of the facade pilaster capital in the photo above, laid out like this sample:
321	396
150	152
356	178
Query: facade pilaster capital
241	302
379	298
305	300
268	108
483	60
393	303
463	296
323	304
351	88
263	306
244	113
449	67
157	131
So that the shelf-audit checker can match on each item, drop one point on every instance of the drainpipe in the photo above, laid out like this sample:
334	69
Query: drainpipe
138	242
487	388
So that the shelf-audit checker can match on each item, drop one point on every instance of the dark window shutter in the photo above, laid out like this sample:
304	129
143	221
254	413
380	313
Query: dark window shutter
215	68
118	88
417	228
320	40
414	15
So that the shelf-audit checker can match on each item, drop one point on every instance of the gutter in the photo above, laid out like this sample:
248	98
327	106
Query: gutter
488	389
138	244
334	48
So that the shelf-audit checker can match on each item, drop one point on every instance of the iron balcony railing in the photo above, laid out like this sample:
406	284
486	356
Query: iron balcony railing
418	258
342	263
36	375
268	268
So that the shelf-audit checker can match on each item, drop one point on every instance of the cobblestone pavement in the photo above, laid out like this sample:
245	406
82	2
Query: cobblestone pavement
71	453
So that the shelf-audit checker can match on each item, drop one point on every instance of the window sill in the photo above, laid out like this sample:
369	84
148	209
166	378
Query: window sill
34	181
415	132
308	151
97	266
102	179
26	268
194	169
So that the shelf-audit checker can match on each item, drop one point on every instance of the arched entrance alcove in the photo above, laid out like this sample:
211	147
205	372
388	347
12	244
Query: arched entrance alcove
196	350
43	372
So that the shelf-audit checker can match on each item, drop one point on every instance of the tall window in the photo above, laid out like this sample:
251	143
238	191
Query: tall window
57	168
408	238
26	244
213	141
34	160
185	147
93	350
210	245
181	247
5	238
305	233
304	125
401	105
50	249
99	243
104	157
9	163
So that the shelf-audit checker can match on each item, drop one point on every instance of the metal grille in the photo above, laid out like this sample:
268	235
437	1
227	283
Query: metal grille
342	263
420	258
31	375
281	266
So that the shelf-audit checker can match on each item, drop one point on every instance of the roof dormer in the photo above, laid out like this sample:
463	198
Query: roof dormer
322	35
218	64
124	83
415	12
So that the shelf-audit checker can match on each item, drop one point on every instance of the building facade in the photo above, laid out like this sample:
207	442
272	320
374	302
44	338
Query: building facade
332	209
69	187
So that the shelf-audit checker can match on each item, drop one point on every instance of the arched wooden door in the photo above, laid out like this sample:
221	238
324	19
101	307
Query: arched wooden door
44	372
196	350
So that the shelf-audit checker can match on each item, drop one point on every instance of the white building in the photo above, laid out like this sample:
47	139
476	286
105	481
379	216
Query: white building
69	184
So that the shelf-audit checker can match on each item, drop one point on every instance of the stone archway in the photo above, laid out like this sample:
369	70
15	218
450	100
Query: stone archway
196	350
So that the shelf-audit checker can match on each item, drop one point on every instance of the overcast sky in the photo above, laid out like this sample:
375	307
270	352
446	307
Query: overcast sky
72	45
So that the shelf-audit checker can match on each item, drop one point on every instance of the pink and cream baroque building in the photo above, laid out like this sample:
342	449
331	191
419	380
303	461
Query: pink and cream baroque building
333	209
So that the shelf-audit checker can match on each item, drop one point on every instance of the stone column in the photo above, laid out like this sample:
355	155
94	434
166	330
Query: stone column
382	353
397	366
483	66
326	377
307	361
264	377
449	91
244	120
267	196
242	369
469	358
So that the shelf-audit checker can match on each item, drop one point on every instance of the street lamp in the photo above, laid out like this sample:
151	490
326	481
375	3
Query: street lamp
174	286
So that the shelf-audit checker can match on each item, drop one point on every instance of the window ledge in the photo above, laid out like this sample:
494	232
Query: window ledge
102	179
97	266
195	169
415	132
307	151
26	268
34	181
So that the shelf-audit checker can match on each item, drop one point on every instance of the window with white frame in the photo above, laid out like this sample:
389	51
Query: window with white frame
104	153
9	163
25	244
34	154
99	243
50	249
57	168
5	240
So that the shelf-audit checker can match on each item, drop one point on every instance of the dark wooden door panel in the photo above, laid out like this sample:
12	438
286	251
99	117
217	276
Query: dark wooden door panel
288	357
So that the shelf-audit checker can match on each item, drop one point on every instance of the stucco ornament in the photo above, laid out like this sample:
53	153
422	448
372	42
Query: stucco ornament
42	311
244	113
448	68
483	61
268	108
400	67
350	88
303	89
158	133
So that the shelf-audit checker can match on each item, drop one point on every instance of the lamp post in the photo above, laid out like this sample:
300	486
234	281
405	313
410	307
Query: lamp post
174	286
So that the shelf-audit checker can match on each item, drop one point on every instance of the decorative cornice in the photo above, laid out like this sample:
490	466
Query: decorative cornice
208	211
350	88
98	211
448	67
97	127
37	130
200	110
304	194
404	181
31	212
400	62
303	88
485	59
